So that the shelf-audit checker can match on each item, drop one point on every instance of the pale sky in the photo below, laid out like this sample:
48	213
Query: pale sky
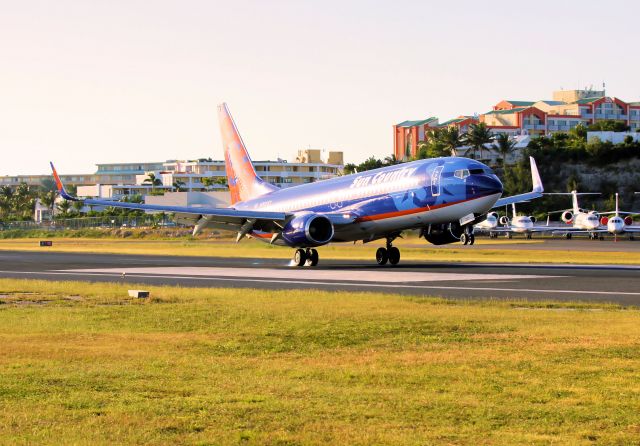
86	81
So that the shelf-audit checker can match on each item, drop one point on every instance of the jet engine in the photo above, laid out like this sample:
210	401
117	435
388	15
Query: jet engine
504	220
308	229
567	217
533	219
604	221
628	221
442	234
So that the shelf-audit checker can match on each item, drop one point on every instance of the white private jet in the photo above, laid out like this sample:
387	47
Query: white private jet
581	220
519	224
618	225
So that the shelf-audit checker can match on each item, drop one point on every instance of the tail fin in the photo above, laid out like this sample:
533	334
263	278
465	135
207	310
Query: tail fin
574	199
61	190
244	183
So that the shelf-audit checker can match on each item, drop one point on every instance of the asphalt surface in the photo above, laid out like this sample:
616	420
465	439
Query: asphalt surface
620	284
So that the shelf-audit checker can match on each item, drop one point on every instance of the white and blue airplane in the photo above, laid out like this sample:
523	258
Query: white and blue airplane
442	198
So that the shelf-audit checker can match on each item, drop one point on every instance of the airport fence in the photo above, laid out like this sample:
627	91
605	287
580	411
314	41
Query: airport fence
106	222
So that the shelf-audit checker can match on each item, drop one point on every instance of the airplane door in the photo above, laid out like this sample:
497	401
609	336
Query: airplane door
436	175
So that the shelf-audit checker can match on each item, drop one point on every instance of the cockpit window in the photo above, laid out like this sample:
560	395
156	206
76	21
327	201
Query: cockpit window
461	173
476	171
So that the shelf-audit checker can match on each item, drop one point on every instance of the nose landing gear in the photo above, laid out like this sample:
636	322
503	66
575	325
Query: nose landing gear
305	257
389	254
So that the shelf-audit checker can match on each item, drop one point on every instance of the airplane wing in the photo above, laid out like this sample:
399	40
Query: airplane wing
510	229
536	192
243	221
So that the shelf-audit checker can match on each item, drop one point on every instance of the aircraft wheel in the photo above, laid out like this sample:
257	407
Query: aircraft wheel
394	255
312	257
472	239
529	236
601	237
299	257
568	236
464	238
631	238
382	256
509	235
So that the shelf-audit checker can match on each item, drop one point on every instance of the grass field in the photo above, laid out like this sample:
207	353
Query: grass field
85	364
411	250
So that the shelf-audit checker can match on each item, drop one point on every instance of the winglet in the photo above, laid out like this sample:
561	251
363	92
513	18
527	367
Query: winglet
535	176
61	190
536	191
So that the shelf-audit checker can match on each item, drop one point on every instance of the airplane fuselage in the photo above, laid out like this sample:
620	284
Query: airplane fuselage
394	198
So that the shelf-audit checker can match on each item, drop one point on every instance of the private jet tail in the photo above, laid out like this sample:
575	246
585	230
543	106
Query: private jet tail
575	206
244	182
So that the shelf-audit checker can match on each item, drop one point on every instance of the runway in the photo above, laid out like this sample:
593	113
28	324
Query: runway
620	284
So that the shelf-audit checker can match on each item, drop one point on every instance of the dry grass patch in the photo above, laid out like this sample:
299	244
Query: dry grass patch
239	366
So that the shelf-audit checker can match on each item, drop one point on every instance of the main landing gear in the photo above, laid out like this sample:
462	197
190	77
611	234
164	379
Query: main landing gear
467	237
305	257
389	254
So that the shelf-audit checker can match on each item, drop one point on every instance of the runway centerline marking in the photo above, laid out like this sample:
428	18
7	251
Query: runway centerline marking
389	277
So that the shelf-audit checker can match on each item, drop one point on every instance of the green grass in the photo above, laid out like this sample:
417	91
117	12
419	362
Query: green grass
85	364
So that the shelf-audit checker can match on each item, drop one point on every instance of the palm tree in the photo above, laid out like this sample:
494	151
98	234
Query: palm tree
479	135
153	181
48	198
451	139
64	207
504	145
178	184
23	201
391	160
6	201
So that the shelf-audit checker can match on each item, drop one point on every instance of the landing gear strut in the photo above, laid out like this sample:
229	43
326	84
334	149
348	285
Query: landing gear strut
389	254
305	257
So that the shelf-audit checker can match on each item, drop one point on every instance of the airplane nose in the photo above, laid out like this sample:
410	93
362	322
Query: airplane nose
488	184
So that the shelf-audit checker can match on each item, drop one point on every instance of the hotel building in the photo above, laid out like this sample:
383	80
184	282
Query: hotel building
565	111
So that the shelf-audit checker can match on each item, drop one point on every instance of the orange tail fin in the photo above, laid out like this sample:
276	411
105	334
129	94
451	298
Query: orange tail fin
244	182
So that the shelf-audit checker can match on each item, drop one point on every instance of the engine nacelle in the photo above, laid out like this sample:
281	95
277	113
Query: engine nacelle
604	221
504	220
443	234
628	221
533	219
308	229
567	217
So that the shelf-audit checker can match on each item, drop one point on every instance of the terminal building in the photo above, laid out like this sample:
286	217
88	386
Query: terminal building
116	180
519	119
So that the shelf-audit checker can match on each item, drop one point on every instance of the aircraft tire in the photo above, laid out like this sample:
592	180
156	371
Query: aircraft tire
312	257
382	256
472	239
394	255
464	238
299	257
